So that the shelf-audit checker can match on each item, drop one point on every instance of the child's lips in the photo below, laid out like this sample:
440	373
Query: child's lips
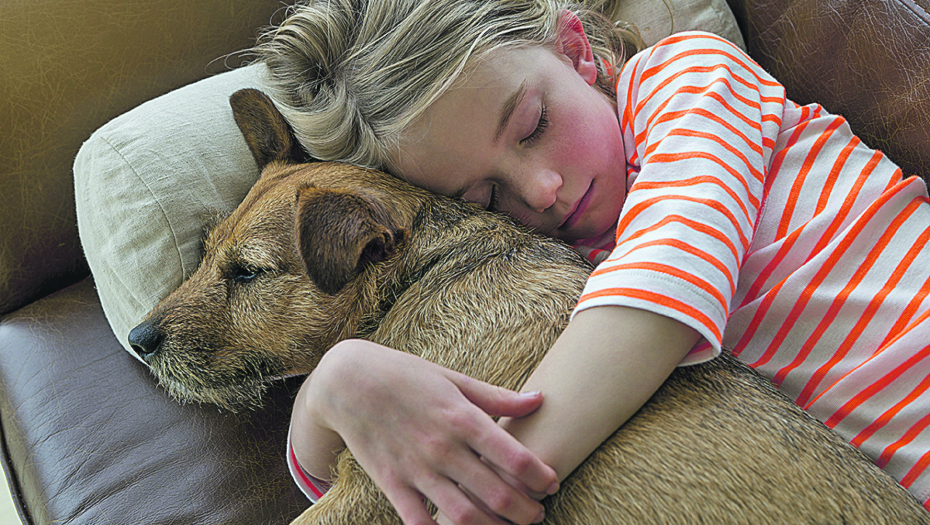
578	212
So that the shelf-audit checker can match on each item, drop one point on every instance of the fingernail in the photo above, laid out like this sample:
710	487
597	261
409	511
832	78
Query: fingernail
553	488
541	517
534	393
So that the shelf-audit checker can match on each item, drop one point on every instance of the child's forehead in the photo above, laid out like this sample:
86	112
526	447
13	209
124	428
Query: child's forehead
483	91
502	69
503	58
467	120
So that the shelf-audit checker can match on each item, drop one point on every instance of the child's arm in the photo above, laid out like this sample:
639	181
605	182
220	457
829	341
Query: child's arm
419	430
603	368
315	446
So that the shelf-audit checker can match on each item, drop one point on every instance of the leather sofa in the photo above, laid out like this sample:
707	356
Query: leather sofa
87	436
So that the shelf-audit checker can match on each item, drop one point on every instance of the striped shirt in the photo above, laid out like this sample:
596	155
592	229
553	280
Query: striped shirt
772	230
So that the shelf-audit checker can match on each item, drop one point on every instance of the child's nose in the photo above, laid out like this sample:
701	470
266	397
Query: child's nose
541	189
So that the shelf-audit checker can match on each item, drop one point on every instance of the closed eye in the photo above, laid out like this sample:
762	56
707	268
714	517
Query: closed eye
494	200
243	275
541	126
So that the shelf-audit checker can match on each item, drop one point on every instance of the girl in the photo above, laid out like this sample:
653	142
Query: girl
725	216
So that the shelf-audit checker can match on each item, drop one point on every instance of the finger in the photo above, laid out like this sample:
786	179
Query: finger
459	507
495	400
514	482
493	494
513	458
409	506
496	444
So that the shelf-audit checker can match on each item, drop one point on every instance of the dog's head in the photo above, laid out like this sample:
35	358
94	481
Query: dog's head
290	272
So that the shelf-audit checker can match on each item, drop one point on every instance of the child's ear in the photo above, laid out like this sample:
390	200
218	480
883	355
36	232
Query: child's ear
573	43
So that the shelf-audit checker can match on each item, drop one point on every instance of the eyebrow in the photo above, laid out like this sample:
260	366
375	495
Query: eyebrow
507	109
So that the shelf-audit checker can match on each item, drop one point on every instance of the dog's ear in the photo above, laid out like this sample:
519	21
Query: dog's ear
269	136
340	233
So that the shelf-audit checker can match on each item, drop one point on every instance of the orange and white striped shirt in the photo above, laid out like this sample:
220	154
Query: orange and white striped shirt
775	232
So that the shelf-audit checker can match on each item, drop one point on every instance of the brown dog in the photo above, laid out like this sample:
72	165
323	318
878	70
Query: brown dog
319	252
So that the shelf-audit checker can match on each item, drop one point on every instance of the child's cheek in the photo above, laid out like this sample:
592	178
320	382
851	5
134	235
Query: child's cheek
577	142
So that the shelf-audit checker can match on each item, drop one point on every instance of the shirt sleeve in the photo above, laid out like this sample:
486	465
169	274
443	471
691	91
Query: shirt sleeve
312	487
700	121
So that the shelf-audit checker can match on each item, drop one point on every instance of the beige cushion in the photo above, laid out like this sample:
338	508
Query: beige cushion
146	181
656	19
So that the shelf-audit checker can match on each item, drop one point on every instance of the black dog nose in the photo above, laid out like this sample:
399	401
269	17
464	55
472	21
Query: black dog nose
145	339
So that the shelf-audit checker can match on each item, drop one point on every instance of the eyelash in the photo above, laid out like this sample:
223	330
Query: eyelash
540	128
493	199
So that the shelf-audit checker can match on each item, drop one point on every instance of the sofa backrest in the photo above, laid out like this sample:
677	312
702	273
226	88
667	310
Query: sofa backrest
68	67
868	60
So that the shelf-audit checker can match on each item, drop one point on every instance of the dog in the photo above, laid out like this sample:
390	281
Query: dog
321	252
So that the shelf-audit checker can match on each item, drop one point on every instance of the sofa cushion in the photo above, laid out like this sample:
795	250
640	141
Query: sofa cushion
656	19
146	181
90	438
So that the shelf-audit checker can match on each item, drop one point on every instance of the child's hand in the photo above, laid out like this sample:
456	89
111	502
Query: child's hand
422	431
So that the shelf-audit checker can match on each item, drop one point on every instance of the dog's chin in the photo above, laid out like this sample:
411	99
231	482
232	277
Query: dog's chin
237	398
235	389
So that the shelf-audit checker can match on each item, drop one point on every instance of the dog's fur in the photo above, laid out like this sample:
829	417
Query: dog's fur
321	252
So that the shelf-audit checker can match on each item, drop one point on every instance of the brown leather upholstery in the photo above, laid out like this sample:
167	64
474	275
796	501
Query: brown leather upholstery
86	435
91	439
69	67
868	60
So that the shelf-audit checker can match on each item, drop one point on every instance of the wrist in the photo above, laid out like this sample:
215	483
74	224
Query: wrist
315	439
322	395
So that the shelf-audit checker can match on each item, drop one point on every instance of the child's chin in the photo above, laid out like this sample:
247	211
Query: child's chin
604	241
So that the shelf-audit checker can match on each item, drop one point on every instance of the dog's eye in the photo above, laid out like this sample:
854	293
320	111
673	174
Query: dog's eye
245	275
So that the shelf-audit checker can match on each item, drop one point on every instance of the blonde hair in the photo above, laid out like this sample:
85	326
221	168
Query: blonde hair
351	75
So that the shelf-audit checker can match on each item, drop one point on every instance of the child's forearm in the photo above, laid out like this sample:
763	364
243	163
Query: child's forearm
604	367
315	447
